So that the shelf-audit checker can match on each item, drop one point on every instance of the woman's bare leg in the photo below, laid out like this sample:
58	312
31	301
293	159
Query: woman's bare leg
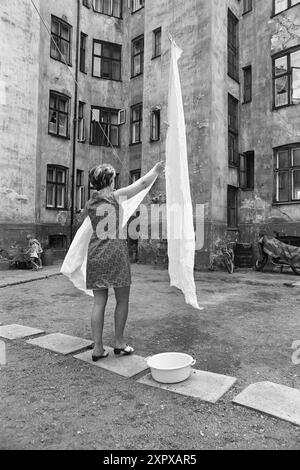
97	321
121	314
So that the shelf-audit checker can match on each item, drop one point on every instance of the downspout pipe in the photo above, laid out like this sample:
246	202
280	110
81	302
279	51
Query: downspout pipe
73	182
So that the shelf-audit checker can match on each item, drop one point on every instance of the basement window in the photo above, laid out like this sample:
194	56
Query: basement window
287	174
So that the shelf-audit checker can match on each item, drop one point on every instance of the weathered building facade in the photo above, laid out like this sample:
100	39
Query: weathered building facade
240	82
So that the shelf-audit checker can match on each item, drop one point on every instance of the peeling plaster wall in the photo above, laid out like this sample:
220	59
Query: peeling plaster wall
19	72
262	128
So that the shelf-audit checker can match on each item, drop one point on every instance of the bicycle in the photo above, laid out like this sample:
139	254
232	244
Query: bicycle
228	258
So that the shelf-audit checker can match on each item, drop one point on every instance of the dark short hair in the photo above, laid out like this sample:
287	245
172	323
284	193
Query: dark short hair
101	176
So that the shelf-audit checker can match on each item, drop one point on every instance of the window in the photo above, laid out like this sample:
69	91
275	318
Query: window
80	202
106	60
156	43
286	79
155	125
108	7
136	123
86	3
137	56
247	171
81	133
281	5
287	174
104	127
58	115
134	176
233	49
247	6
117	181
232	204
58	242
247	84
60	40
82	60
233	141
137	5
56	197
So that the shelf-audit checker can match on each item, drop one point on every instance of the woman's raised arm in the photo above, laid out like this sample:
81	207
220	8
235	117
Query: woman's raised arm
141	184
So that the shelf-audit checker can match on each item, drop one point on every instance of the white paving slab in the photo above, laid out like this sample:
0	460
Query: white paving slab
18	331
127	366
60	343
273	399
206	386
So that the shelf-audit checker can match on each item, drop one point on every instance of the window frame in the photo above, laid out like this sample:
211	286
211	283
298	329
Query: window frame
81	121
58	43
155	113
112	10
138	9
247	6
233	48
105	43
58	111
233	132
103	138
247	98
289	74
83	52
289	169
140	54
80	190
135	175
285	9
132	122
234	190
155	55
56	184
249	171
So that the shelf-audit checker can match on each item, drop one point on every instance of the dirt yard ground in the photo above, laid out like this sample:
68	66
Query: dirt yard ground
246	330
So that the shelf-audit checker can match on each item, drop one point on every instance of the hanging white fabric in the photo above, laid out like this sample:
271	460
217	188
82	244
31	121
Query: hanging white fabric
74	265
180	227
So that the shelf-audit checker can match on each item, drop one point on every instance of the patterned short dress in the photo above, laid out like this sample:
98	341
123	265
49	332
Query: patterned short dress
108	262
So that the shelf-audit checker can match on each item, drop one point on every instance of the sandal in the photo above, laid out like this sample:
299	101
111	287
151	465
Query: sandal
97	358
125	351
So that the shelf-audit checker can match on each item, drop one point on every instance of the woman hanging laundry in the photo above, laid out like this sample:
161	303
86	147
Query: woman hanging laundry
108	262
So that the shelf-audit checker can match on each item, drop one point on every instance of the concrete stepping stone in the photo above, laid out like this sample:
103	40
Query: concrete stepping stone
273	399
18	331
60	343
127	366
206	386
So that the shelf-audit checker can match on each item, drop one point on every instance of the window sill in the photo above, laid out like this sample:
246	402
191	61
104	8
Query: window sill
287	203
283	11
247	12
106	14
236	79
133	144
233	165
233	229
103	78
61	61
155	57
81	141
277	108
56	208
105	146
135	76
81	71
247	102
247	190
154	141
59	136
135	11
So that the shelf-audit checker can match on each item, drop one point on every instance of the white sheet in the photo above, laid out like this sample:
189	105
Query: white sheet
180	227
74	265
